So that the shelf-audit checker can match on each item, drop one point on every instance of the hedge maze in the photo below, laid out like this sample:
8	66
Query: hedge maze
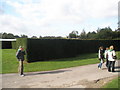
48	49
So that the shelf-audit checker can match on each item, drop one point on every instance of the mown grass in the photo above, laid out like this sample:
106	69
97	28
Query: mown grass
113	84
10	63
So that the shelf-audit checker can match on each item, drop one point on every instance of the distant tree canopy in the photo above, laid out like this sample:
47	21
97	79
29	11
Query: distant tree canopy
51	37
34	37
73	34
7	36
100	33
103	33
11	36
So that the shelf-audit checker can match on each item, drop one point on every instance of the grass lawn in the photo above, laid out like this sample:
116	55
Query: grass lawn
113	84
10	63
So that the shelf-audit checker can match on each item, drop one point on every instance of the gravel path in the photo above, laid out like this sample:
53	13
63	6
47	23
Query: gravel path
88	76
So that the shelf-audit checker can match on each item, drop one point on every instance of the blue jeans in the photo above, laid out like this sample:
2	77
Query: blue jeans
100	65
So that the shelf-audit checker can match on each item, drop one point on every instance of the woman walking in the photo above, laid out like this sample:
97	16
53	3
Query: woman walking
101	57
111	59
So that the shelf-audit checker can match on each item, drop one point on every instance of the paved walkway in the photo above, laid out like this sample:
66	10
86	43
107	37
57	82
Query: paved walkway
75	77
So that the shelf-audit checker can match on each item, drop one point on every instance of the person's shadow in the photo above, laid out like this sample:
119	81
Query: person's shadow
46	72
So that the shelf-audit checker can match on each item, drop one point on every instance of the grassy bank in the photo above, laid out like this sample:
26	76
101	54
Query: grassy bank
113	84
10	63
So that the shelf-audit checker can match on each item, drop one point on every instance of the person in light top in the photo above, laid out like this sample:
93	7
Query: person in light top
111	59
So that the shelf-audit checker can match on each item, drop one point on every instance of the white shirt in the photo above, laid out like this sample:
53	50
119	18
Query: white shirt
110	55
106	52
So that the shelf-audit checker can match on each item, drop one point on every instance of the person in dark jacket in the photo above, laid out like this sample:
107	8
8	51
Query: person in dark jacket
20	56
101	57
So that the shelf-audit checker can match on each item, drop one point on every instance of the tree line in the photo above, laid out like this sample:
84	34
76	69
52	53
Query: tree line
12	36
100	33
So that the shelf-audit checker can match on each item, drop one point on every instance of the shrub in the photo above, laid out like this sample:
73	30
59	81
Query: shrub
47	49
13	44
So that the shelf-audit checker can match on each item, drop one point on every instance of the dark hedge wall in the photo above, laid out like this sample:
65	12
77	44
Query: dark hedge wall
6	45
47	49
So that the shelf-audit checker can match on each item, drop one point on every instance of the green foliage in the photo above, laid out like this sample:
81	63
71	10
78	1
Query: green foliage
7	36
34	37
11	36
51	37
73	34
113	84
21	42
45	49
102	33
83	35
13	44
10	63
24	36
91	35
48	49
118	55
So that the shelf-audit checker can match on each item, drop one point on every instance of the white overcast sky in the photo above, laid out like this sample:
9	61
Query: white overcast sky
56	17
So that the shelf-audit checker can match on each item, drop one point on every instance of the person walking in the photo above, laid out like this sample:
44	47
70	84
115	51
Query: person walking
20	56
101	57
106	56
111	59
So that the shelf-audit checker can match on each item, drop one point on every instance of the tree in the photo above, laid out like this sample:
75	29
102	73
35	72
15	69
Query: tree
105	33
91	35
0	35
34	37
40	36
16	36
73	34
4	36
24	36
10	36
83	35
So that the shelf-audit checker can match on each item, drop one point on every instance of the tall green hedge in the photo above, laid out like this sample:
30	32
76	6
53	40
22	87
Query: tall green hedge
6	45
47	49
13	44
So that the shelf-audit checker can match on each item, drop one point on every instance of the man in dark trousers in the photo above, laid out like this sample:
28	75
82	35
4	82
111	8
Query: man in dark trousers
20	56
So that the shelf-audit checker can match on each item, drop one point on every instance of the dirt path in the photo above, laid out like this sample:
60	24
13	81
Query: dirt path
88	76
